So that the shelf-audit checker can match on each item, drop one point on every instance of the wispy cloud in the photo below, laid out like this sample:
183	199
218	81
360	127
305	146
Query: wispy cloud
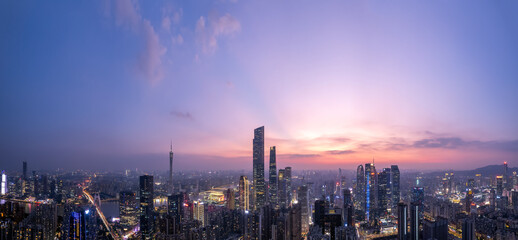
184	115
208	31
127	15
340	152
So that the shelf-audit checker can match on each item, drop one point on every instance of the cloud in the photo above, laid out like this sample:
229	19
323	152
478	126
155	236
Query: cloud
290	156
453	142
183	115
340	152
177	39
127	15
166	23
209	31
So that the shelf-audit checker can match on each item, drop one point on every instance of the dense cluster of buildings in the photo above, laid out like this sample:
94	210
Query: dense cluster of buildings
286	204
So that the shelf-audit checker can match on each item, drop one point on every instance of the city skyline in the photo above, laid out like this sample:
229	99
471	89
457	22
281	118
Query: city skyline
104	84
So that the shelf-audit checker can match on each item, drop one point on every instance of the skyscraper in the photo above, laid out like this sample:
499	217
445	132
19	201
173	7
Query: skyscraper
258	169
170	187
468	229
499	185
244	194
348	208
24	170
282	189
230	199
435	228
128	209
384	190
303	198
506	176
414	221
175	209
146	206
371	190
394	184
272	190
360	188
3	188
289	195
77	226
402	227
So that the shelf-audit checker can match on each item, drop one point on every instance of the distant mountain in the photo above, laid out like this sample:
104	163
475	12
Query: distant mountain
490	170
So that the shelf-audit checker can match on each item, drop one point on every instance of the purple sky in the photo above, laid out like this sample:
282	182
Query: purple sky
108	84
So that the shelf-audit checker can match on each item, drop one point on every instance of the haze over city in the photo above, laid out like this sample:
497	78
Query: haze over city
109	84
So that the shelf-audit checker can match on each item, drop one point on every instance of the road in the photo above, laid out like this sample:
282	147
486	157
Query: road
100	213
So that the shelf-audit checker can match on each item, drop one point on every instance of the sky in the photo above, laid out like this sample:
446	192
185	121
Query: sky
108	85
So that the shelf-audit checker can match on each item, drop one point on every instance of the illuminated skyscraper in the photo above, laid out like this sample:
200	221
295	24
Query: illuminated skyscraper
230	199
258	169
303	199
77	226
283	198
506	176
128	209
272	190
146	206
468	201
384	190
402	221
199	212
394	184
289	194
244	194
371	191
360	188
170	187
499	185
175	209
414	221
4	184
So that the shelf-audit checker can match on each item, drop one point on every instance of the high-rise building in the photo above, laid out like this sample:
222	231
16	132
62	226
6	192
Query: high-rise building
175	209
418	199
258	169
230	199
499	185
348	208
3	187
170	185
77	226
360	188
468	229
402	227
283	197
468	200
394	184
244	194
415	208
371	191
289	194
128	209
435	229
199	212
506	176
320	212
24	170
272	189
146	206
384	191
294	223
303	199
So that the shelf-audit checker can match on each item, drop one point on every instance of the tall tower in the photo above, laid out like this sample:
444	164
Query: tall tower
24	170
415	208
272	190
402	221
506	176
170	183
258	169
283	199
394	184
371	191
289	194
384	190
244	194
146	206
360	188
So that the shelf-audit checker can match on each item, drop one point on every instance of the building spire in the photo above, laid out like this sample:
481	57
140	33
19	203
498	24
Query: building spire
171	145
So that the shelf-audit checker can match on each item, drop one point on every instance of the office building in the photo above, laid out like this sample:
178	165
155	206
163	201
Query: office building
77	226
170	185
146	206
384	191
258	169
499	185
435	228
283	195
415	220
468	229
272	189
360	188
230	199
244	194
128	209
394	184
402	224
371	192
289	194
303	199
